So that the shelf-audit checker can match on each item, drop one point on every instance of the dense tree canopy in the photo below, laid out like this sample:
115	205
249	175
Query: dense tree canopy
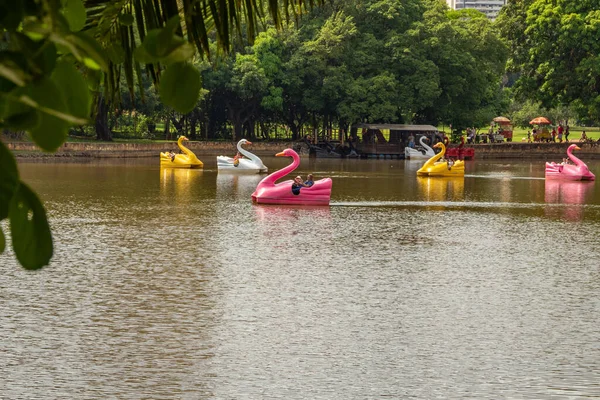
555	49
370	61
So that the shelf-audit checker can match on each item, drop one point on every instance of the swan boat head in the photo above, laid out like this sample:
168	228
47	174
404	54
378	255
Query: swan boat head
288	153
270	192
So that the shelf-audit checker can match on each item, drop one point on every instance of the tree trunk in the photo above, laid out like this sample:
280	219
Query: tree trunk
167	128
178	124
192	125
101	122
294	128
238	124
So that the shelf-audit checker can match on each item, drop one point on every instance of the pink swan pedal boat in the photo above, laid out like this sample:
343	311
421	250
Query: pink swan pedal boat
578	171
269	192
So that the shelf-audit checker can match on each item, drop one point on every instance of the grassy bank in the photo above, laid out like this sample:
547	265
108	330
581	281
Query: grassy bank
575	133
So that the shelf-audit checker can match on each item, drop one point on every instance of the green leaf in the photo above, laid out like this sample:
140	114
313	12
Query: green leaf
19	116
85	48
46	56
115	53
9	179
126	19
167	41
93	77
142	56
75	14
12	68
180	87
150	44
54	115
182	53
30	232
22	121
74	89
2	241
162	45
34	58
11	15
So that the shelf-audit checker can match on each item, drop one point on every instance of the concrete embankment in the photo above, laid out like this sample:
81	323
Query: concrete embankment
140	150
550	151
536	151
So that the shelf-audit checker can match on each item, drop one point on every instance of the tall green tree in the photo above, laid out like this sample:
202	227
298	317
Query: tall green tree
557	51
470	59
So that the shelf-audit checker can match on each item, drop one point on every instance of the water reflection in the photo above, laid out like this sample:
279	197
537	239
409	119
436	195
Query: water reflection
441	189
234	185
178	181
274	214
573	194
413	165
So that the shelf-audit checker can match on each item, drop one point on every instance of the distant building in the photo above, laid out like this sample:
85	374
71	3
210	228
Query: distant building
490	8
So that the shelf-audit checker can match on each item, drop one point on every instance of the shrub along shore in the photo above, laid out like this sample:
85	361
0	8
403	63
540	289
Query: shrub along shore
516	150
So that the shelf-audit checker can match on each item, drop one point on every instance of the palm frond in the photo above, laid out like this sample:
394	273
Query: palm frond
200	19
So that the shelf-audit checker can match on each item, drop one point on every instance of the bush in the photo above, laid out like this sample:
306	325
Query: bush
132	125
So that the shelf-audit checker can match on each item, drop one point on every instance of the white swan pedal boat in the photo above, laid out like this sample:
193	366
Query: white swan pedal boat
412	154
249	163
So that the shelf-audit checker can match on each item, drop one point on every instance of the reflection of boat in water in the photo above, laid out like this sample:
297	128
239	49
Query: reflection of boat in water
251	163
234	185
290	212
432	189
282	223
178	181
567	192
572	194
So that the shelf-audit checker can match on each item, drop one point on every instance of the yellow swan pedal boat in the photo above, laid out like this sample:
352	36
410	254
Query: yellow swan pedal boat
186	160
434	167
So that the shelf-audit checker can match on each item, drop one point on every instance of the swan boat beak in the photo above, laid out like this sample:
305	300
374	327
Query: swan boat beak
282	154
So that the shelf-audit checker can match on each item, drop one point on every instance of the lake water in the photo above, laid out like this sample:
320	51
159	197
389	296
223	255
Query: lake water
171	284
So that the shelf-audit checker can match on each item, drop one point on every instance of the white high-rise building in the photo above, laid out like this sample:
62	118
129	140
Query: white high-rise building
489	7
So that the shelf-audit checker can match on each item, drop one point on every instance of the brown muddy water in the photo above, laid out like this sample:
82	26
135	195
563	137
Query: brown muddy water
171	284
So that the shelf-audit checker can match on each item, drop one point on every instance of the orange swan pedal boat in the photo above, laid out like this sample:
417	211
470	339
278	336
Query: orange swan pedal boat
269	192
186	160
433	167
578	171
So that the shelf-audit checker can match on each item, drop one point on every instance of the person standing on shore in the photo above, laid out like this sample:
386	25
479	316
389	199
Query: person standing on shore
567	134
560	133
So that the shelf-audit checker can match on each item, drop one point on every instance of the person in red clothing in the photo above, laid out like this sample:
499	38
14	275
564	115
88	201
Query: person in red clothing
560	133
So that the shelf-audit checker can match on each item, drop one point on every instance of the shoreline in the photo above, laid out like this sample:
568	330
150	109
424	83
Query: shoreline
507	150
